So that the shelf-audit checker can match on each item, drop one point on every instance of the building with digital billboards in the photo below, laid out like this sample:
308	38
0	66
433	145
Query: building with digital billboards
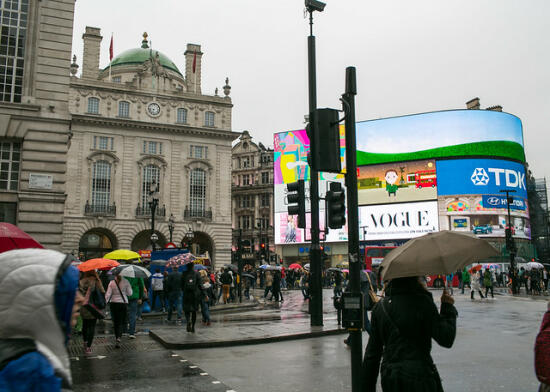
427	172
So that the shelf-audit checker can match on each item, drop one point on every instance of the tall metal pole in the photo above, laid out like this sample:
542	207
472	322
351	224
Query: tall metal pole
510	242
240	265
153	209
353	220
316	288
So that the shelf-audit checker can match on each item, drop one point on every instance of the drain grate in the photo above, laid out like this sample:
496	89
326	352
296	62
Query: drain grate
103	345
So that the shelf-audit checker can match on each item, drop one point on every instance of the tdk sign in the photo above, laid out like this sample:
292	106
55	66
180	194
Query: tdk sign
511	178
480	177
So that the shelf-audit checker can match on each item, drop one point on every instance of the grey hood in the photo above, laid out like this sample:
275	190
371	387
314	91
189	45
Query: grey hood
28	279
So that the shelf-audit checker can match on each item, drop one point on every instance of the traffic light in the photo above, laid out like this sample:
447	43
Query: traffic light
324	140
336	206
296	197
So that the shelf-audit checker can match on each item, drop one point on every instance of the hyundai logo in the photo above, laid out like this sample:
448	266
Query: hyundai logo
494	201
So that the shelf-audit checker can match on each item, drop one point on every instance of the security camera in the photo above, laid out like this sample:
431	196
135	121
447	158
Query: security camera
314	5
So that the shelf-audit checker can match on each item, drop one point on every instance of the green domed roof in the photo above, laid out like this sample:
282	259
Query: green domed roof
140	55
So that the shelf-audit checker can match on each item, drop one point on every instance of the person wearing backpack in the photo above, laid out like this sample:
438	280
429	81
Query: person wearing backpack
191	284
89	282
157	284
542	353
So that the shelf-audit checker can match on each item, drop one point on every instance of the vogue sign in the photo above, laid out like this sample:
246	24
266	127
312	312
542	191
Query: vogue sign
398	221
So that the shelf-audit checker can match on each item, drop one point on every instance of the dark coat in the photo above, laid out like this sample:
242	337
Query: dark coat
404	342
172	285
191	296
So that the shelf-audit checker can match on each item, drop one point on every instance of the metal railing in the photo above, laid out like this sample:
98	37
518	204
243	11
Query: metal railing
99	209
143	211
195	214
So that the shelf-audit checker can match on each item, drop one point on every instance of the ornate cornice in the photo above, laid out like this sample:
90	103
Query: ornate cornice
169	128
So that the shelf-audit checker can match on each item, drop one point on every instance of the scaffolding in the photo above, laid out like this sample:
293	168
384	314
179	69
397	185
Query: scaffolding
538	212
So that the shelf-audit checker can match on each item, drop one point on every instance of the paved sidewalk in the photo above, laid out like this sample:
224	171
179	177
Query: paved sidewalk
267	322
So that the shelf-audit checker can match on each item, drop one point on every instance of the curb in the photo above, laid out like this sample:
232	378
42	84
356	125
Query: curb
245	342
214	309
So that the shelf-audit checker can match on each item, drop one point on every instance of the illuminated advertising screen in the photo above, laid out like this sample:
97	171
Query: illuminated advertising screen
484	215
397	182
397	221
480	176
453	133
287	232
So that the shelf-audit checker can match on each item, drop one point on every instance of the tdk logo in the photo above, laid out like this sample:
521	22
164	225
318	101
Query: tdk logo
501	177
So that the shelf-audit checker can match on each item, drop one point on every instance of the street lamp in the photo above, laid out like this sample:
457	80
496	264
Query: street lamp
510	244
188	237
171	225
153	200
260	239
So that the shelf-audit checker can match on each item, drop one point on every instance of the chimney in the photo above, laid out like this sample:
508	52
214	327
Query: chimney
90	61
193	79
496	108
473	104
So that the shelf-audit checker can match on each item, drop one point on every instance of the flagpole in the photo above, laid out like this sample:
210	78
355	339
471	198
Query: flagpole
110	56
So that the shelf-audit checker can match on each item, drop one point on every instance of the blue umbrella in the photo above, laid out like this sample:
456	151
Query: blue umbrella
199	267
264	266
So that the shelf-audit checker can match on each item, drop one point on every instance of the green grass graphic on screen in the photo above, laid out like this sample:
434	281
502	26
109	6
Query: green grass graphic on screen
500	149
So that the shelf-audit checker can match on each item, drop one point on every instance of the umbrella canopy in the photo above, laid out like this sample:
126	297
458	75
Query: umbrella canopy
248	276
264	266
273	268
131	271
159	263
306	266
344	264
295	266
491	266
333	269
12	237
198	267
475	268
533	265
443	252
93	264
122	254
181	259
232	267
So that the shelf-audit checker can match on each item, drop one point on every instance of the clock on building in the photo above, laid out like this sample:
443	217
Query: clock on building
153	109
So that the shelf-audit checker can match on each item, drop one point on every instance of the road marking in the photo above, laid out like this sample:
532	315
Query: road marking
183	360
216	382
204	374
97	357
193	367
175	355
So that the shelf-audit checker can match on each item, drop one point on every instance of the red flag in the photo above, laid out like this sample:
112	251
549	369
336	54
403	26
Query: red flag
111	49
194	61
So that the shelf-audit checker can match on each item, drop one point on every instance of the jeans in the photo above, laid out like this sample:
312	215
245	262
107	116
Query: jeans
174	301
157	294
205	310
132	315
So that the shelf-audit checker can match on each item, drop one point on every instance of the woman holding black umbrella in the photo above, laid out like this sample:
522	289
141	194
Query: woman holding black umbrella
403	325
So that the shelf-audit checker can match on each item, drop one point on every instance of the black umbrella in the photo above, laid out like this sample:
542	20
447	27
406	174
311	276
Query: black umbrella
333	269
248	276
233	267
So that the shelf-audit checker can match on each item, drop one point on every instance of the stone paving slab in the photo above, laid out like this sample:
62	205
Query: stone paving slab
178	338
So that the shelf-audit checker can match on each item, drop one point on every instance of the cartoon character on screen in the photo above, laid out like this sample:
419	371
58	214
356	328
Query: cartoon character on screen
391	182
290	235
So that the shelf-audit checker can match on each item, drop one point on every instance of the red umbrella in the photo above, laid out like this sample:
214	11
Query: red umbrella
12	237
295	266
475	268
94	264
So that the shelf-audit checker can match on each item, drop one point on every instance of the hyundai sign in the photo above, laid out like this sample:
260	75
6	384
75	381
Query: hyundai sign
480	177
499	201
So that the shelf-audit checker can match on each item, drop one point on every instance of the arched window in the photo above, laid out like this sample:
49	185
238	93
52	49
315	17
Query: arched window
197	191
93	105
150	175
209	119
101	184
182	116
124	109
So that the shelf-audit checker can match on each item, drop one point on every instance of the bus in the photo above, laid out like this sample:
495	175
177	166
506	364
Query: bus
425	178
375	254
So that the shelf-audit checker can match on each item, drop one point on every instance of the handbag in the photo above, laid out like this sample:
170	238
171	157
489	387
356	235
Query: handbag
372	295
93	303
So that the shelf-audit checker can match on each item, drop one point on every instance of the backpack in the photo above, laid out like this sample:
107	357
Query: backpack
189	283
542	351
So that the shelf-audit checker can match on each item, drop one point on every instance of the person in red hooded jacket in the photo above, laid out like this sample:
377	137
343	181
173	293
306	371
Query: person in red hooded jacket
542	353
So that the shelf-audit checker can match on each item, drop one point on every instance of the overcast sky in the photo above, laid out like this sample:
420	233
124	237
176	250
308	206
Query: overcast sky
411	56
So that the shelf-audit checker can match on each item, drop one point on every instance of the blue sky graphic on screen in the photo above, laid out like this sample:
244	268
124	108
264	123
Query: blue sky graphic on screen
480	177
453	133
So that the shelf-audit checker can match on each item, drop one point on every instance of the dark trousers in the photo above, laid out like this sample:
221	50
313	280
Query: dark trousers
267	290
464	284
118	315
487	288
160	295
88	330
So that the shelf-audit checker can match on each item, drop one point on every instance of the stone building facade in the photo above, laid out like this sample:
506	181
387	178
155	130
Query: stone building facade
35	53
252	199
141	130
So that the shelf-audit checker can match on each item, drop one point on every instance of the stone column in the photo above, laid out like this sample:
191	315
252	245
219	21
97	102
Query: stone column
193	79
